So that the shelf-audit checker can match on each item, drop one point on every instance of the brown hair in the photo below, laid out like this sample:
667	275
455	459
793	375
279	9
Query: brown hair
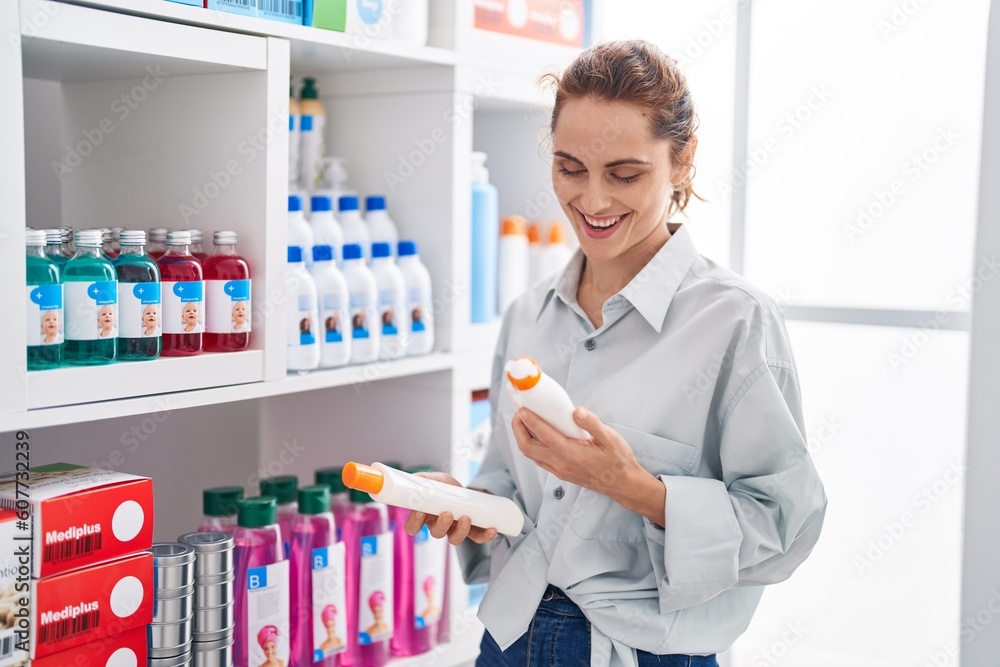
636	72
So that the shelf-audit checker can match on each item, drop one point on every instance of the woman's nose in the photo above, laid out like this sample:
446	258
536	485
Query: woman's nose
595	198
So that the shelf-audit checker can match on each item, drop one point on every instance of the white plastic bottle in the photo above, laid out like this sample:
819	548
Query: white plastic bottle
392	311
334	311
303	318
529	388
299	232
355	229
326	230
380	226
365	328
513	271
556	252
419	303
535	249
395	487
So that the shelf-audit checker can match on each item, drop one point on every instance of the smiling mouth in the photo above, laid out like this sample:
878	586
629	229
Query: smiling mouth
604	223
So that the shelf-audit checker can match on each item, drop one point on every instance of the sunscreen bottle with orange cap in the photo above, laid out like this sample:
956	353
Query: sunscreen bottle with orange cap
556	253
513	260
395	487
529	388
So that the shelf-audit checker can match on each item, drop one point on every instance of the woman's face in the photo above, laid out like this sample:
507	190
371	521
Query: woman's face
612	178
331	627
270	650
190	313
50	323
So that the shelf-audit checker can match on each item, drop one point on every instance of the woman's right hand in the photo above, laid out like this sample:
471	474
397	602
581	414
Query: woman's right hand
444	524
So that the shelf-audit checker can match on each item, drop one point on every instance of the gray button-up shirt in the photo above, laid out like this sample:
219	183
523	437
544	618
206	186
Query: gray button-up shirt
692	366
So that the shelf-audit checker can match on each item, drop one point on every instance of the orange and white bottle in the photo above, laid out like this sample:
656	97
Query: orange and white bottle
535	250
513	261
529	388
556	253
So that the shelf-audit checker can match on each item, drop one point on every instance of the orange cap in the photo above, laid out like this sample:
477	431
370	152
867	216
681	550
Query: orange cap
512	225
534	233
529	381
363	478
557	235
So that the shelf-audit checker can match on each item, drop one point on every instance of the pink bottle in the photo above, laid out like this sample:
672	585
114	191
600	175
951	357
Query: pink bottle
257	543
412	634
312	528
360	531
340	499
219	504
285	488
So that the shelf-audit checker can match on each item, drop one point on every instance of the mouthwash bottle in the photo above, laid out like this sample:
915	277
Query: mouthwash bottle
316	561
90	287
261	605
195	247
219	505
368	543
227	296
183	292
285	489
45	305
54	246
139	304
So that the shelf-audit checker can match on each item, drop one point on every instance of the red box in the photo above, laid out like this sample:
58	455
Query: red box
125	649
15	582
80	516
555	21
94	603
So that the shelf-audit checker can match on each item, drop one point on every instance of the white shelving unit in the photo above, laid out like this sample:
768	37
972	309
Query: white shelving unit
145	104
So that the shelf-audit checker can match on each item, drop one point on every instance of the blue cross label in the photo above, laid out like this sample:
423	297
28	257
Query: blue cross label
139	310
45	314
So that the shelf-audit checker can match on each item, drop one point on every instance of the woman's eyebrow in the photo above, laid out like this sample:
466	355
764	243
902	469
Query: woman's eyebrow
609	165
567	156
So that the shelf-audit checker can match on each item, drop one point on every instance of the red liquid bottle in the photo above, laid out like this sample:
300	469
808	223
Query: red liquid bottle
195	247
227	296
183	294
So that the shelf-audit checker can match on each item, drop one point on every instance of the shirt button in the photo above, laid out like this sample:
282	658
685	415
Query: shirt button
559	493
590	344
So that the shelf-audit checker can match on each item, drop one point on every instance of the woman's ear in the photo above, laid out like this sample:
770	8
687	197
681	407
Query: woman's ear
685	160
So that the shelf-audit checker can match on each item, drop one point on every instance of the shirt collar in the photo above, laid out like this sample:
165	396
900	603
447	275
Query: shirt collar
649	292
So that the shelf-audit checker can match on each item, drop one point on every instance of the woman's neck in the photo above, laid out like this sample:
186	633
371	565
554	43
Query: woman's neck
601	280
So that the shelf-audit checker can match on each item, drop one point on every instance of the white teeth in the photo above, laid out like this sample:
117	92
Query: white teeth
601	224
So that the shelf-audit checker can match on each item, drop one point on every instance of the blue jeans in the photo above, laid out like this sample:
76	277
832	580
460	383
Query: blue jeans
559	636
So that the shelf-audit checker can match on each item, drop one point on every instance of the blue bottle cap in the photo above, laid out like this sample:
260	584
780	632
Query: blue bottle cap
322	203
375	203
380	250
347	203
407	248
322	253
294	254
352	251
294	203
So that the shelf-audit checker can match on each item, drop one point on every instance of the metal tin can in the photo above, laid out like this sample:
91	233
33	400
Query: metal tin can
173	565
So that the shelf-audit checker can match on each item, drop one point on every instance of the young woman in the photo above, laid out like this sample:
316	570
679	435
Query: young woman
650	543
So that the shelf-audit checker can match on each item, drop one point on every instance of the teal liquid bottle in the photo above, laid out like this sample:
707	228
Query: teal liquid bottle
90	287
54	247
139	301
45	305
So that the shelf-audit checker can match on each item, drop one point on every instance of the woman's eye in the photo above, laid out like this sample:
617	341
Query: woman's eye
567	172
626	179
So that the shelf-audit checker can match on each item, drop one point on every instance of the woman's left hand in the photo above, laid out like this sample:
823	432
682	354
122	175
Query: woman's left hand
602	464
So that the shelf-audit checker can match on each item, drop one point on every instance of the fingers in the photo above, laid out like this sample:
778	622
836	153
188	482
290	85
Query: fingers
589	422
543	431
440	526
481	536
415	522
445	525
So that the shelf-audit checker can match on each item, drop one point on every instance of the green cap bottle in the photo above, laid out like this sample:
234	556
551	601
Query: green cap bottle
282	487
221	500
314	499
257	512
308	89
331	477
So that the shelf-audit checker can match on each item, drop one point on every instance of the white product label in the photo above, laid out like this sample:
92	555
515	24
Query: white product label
139	310
228	306
329	602
376	604
302	326
421	311
91	310
267	632
429	557
335	315
183	307
392	313
312	132
45	314
362	311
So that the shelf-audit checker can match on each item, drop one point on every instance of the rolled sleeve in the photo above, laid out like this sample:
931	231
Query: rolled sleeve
757	524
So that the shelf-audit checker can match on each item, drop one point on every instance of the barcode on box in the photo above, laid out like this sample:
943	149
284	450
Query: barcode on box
7	645
283	7
237	3
70	627
81	546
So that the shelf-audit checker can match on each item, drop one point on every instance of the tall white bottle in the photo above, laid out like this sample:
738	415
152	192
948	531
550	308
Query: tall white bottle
365	327
299	232
419	299
355	229
514	268
303	316
380	225
334	309
392	311
556	253
535	249
529	388
326	229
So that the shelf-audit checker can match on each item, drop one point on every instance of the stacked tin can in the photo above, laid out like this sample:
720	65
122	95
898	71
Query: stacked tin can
169	635
212	644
